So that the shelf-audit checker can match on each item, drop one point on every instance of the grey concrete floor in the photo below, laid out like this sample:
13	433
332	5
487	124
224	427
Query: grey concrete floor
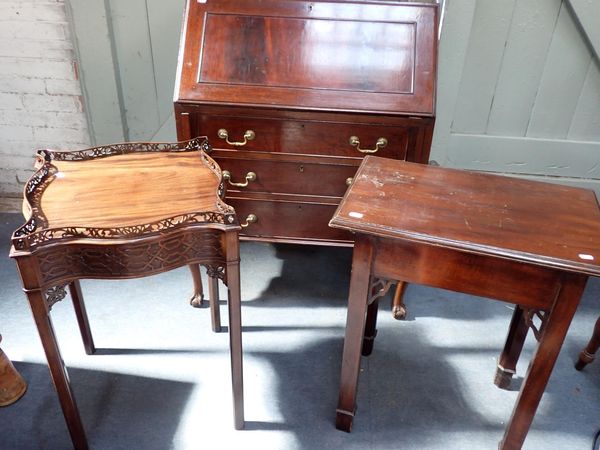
161	379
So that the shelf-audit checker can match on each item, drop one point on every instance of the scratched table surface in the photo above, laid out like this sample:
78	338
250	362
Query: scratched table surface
476	212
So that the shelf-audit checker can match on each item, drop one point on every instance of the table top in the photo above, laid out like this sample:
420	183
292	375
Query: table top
546	224
122	190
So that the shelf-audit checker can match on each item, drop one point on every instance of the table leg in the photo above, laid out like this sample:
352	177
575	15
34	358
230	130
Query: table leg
213	299
355	327
82	317
235	332
398	306
551	339
57	369
587	354
507	363
198	296
370	328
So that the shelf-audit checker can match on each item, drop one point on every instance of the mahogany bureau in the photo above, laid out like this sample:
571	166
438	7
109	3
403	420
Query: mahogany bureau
292	94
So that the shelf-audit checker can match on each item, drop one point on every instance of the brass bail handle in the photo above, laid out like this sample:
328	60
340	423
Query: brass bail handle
248	136
381	143
252	218
250	176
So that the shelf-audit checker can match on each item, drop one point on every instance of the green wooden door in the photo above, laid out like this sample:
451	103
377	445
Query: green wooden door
127	53
519	89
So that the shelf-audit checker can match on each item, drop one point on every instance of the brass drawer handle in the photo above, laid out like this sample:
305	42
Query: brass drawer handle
355	142
248	136
250	176
349	181
252	218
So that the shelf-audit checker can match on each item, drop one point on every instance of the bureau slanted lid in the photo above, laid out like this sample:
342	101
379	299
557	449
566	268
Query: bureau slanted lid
334	56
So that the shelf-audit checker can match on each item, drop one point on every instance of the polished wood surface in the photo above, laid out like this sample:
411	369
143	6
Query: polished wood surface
305	77
128	190
476	212
317	55
528	243
124	211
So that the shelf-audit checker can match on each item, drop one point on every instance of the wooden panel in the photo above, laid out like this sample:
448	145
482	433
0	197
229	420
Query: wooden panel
302	137
97	65
290	175
454	42
505	280
564	74
267	46
330	56
586	12
585	125
486	48
164	23
288	220
136	67
522	66
526	155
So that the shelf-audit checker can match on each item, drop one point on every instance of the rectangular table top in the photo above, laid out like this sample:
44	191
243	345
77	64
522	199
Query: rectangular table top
542	223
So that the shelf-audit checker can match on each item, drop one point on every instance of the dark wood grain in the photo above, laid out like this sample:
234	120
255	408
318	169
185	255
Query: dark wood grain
528	243
487	214
305	76
282	53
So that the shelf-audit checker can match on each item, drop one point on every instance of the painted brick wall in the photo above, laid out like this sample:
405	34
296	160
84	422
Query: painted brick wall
40	95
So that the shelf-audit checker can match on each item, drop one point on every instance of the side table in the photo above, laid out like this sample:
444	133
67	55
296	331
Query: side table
123	211
528	243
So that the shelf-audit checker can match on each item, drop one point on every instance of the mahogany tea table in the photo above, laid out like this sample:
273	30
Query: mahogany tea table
123	211
528	243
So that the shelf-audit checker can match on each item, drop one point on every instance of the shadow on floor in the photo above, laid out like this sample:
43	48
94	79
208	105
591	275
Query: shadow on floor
116	410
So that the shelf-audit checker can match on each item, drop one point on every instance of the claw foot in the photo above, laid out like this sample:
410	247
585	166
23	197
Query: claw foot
197	301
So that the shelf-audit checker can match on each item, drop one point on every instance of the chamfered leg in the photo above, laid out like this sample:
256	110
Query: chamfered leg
82	317
198	297
507	363
587	354
552	336
355	327
213	298
370	328
235	328
57	369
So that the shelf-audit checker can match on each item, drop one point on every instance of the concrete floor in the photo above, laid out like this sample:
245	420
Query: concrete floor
161	378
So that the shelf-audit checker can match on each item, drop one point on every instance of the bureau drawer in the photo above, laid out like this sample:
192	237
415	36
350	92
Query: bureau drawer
283	173
289	221
302	136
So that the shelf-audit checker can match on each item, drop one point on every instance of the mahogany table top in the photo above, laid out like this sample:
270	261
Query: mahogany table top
546	224
121	190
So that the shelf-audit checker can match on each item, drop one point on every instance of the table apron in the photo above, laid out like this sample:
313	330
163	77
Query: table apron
516	282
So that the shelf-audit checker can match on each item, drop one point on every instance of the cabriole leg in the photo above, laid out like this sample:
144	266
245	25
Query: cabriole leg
587	354
198	297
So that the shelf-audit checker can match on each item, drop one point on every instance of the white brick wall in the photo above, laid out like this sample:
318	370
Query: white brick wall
40	95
